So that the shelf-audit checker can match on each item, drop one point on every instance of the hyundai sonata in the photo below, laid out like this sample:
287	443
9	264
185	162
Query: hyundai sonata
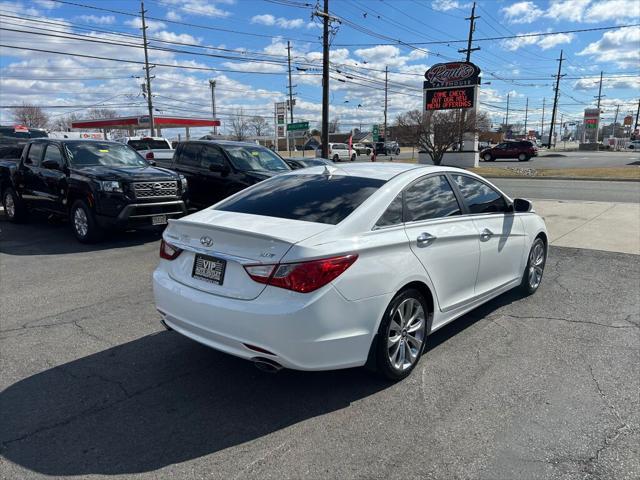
341	266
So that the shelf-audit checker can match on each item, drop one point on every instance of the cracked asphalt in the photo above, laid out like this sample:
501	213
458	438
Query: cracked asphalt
545	387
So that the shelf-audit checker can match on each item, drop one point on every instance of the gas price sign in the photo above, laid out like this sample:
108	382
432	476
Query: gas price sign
450	98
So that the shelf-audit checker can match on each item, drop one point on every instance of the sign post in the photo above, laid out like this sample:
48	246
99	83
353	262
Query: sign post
449	86
375	132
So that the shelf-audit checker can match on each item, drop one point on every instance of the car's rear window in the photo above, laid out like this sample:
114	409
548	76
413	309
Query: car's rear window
149	144
339	146
311	198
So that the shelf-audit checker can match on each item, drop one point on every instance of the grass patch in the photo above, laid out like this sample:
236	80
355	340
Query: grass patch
630	173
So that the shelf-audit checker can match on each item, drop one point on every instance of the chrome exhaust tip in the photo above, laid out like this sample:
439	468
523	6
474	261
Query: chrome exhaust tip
266	365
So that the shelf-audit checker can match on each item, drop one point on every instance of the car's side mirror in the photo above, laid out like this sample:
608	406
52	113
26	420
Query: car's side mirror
151	162
522	205
51	165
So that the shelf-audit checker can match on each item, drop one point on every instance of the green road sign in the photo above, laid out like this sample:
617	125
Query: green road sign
298	126
375	131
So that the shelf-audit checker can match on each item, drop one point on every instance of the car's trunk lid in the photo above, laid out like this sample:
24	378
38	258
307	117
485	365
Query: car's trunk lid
234	239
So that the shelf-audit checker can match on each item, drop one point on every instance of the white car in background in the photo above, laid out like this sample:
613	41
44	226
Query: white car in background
634	145
151	148
335	267
339	152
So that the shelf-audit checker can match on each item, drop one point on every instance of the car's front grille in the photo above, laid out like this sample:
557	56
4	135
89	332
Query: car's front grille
155	189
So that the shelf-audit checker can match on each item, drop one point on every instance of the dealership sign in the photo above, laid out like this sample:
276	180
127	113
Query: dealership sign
451	85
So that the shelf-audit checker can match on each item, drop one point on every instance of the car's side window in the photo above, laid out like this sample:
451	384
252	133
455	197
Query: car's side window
190	154
211	156
52	153
480	197
393	214
34	155
431	197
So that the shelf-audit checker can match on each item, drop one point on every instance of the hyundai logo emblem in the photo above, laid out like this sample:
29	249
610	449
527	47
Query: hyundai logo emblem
206	241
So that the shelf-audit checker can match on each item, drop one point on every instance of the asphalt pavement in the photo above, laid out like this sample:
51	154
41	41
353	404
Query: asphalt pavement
582	190
548	159
543	387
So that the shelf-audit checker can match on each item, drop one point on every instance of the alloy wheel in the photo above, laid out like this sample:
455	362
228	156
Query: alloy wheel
9	205
536	265
80	222
406	334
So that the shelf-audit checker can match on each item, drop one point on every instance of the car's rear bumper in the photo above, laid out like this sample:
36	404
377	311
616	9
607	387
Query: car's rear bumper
316	331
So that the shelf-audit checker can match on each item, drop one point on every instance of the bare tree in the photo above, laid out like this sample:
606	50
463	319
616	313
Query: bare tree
239	125
99	113
437	131
334	125
63	124
30	115
259	125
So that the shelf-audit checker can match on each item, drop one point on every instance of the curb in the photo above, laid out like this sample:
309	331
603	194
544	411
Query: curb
594	179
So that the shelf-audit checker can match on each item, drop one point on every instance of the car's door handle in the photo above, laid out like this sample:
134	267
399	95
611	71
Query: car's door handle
425	239
486	234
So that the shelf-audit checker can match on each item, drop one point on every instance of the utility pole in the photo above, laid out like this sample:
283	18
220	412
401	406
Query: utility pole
599	97
325	80
506	122
290	91
637	114
615	120
146	67
526	114
542	127
468	50
561	126
386	85
212	84
555	99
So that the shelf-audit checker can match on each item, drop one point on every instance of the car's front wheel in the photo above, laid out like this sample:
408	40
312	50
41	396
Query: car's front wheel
487	157
402	335
532	276
84	224
13	207
523	157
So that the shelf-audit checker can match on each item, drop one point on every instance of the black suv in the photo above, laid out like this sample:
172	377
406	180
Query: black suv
216	169
97	184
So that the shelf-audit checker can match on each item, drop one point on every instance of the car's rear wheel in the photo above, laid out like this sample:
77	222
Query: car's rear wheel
523	157
487	157
13	207
336	158
353	157
84	224
402	334
532	276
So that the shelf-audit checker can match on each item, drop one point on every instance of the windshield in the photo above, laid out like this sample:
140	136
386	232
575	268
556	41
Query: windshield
149	144
90	153
255	158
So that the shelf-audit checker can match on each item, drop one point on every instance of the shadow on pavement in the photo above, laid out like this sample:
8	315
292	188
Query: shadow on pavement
40	235
163	399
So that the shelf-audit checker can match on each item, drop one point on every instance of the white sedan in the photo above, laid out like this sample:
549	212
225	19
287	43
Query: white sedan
341	266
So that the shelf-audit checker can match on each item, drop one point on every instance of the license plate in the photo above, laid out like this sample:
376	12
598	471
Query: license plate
209	269
159	220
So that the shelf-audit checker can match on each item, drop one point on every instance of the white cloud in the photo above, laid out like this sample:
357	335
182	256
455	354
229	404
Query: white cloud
571	10
617	46
177	37
522	12
618	10
378	54
207	8
592	83
173	15
152	25
98	20
47	4
545	42
445	5
269	20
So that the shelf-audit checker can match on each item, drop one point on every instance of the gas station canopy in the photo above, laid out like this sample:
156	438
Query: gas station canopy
134	123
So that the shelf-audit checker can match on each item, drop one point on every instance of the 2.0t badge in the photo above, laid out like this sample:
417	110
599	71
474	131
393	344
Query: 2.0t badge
206	241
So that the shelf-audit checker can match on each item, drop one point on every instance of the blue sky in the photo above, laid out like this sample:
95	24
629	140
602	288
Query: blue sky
243	47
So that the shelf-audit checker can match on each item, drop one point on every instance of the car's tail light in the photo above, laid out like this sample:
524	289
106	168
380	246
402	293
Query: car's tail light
302	277
168	251
149	156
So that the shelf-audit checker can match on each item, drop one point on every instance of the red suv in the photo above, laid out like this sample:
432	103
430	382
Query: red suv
523	150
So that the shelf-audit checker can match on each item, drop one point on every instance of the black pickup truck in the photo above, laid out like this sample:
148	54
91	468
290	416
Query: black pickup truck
96	184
